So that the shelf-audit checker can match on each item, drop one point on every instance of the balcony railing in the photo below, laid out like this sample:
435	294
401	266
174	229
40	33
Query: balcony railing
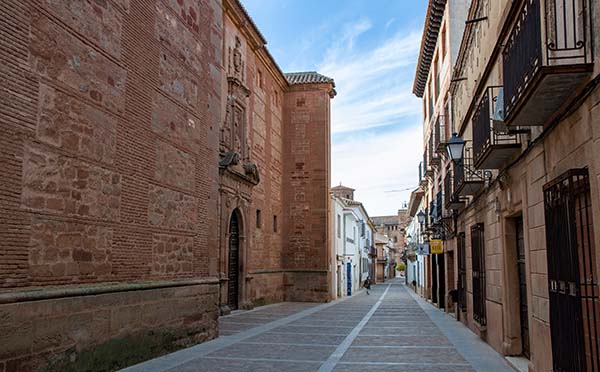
493	143
467	180
441	137
451	200
434	157
546	58
427	169
433	213
438	206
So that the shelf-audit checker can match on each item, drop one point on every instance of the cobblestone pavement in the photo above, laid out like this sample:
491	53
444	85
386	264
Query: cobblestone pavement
390	330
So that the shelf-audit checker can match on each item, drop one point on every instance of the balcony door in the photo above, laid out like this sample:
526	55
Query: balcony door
441	266
434	279
522	274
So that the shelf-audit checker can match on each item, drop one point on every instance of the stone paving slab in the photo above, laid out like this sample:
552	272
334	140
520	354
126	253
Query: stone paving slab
228	365
390	330
274	352
422	355
421	341
298	338
347	367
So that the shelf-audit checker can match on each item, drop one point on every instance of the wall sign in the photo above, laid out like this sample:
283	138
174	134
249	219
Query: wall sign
437	246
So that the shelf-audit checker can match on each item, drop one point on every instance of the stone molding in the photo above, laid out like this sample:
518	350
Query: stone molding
96	289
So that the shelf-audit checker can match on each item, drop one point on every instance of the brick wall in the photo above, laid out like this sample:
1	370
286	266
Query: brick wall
306	183
110	172
113	208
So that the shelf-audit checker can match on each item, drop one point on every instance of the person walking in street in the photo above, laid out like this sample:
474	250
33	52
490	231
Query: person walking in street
367	284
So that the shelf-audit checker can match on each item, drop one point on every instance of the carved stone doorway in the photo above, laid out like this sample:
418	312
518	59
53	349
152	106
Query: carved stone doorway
234	261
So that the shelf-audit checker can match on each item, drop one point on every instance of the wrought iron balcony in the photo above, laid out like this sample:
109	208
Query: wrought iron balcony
427	169
547	56
494	144
451	200
434	157
441	137
467	180
422	179
438	207
372	251
434	143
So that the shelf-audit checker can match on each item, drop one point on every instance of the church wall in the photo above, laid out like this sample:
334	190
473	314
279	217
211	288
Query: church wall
109	159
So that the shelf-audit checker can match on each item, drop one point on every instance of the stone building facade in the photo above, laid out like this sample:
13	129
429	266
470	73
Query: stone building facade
394	228
524	95
442	35
159	169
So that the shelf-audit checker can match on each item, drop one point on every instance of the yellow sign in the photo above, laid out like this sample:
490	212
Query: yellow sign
437	246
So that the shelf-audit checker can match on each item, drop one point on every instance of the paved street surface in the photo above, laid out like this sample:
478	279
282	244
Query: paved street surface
390	330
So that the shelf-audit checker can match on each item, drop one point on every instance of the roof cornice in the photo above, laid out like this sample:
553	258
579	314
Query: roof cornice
431	29
256	40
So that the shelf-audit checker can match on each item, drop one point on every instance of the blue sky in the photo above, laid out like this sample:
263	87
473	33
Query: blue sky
370	48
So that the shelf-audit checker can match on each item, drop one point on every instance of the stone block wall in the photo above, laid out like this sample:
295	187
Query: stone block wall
105	329
306	183
573	143
109	159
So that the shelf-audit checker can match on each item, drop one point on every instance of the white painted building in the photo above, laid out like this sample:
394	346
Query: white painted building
353	232
346	248
415	268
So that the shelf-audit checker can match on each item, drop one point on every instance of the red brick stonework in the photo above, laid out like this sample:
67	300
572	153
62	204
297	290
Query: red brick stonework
131	131
306	185
109	176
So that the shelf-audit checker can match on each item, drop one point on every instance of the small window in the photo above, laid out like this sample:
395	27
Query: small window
275	227
258	219
395	239
260	78
339	226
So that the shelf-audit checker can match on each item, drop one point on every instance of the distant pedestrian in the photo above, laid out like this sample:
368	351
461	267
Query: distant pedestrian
367	284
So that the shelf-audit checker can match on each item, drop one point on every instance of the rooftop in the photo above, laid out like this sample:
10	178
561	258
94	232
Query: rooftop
341	187
307	77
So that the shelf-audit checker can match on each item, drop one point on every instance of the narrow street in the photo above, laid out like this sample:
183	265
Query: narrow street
389	330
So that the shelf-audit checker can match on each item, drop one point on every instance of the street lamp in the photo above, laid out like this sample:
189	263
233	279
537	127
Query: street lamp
455	147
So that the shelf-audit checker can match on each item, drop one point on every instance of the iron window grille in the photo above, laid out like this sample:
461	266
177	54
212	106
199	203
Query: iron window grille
572	275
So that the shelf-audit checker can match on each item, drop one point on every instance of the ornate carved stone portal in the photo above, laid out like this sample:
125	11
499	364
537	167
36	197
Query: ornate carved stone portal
238	175
234	144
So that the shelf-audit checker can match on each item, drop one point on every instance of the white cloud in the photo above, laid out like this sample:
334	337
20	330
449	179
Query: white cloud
374	85
390	22
377	163
375	117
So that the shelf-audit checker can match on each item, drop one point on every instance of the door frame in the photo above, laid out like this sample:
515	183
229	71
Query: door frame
512	341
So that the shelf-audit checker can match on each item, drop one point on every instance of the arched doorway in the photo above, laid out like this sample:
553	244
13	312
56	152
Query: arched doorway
234	261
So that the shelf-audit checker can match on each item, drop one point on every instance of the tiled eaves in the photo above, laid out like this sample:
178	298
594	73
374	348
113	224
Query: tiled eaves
433	21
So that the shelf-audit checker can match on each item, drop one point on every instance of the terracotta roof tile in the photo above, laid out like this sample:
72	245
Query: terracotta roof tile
307	77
